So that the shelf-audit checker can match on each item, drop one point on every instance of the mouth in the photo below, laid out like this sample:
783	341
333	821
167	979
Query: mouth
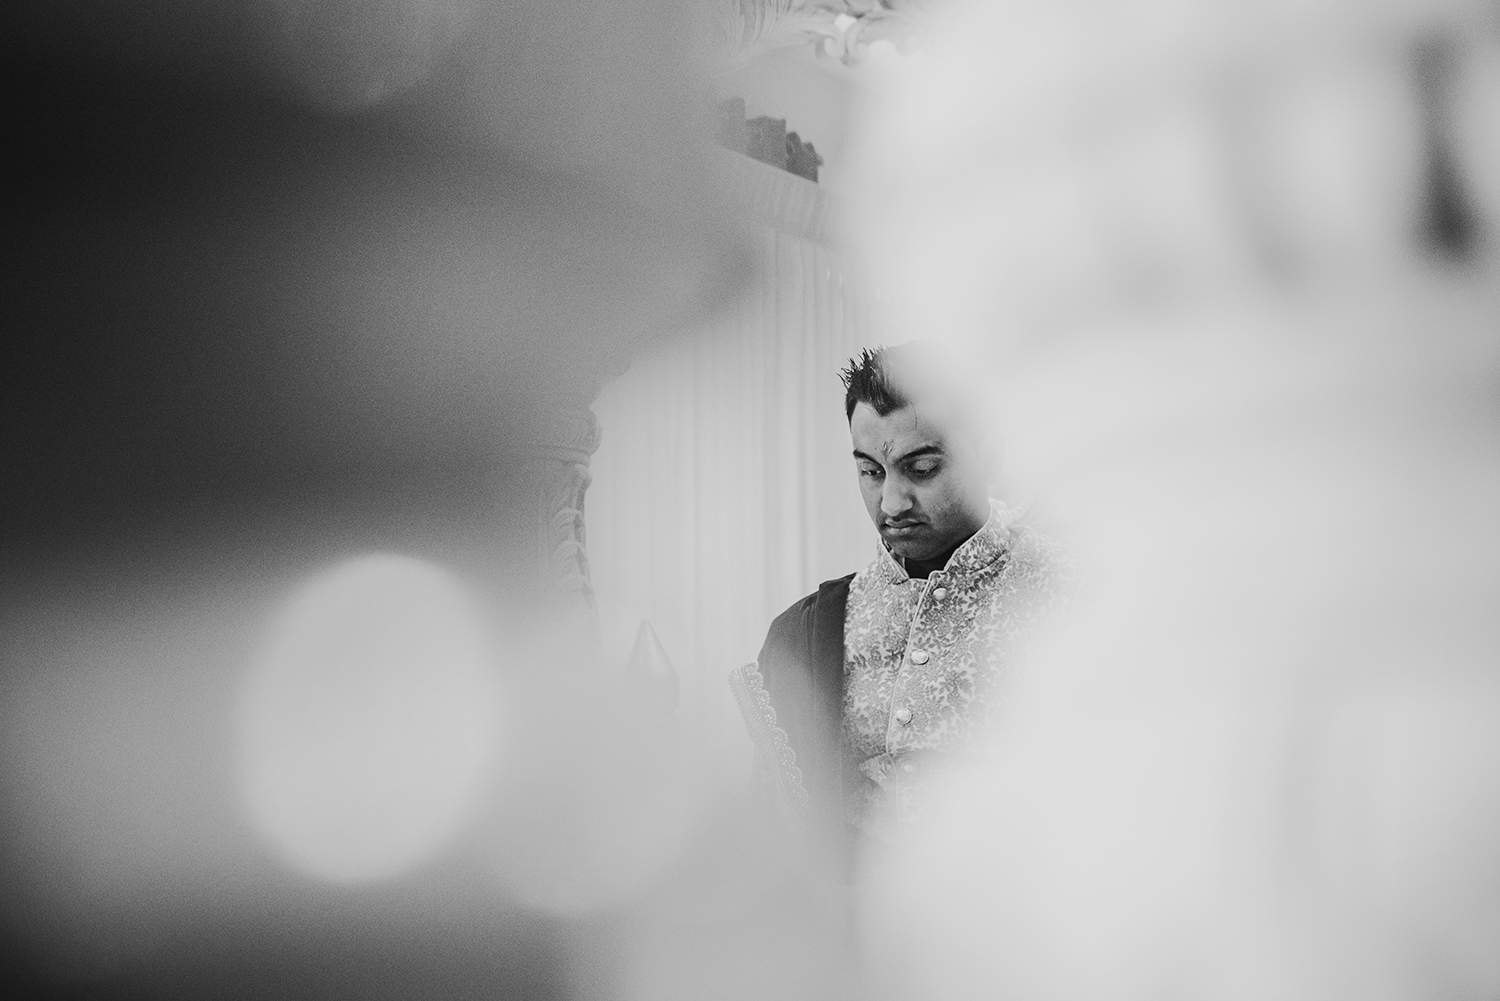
901	530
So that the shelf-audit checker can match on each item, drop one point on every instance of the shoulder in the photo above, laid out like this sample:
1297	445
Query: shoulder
1040	564
793	627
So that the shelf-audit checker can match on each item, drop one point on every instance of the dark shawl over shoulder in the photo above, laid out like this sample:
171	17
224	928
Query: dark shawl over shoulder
792	699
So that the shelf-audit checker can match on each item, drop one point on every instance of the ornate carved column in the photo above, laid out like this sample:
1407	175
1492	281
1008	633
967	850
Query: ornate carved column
561	435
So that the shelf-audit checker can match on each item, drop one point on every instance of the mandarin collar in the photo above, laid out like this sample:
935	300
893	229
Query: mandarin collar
981	550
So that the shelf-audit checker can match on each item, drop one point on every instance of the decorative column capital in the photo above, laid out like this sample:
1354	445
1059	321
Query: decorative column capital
561	431
558	437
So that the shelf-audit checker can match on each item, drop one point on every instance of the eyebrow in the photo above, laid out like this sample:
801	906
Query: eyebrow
919	452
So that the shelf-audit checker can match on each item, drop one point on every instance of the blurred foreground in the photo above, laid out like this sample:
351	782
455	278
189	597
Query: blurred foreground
1234	270
290	707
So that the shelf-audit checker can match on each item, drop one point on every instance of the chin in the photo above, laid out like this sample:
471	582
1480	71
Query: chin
908	550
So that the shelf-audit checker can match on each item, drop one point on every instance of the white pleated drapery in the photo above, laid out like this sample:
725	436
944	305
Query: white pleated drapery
723	489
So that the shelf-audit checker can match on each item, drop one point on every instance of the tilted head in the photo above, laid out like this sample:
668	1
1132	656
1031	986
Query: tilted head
922	457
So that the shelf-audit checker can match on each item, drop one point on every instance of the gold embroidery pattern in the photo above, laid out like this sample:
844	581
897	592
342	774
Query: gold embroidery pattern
923	658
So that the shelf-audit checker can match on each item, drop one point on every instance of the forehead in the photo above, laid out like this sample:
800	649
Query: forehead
898	432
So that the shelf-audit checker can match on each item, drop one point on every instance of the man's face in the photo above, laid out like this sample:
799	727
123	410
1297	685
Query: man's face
926	489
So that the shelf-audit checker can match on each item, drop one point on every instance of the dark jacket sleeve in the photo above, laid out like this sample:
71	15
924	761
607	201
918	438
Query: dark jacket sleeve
802	666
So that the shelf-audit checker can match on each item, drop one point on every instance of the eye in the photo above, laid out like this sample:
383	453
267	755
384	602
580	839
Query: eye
874	472
922	470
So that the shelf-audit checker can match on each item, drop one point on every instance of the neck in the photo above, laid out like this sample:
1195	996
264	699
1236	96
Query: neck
922	569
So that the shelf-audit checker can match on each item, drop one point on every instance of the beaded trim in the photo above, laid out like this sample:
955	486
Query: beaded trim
750	693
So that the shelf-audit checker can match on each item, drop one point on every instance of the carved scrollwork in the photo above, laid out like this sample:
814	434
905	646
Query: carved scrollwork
562	482
561	436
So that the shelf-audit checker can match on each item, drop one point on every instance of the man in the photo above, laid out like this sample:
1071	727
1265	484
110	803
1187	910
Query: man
875	680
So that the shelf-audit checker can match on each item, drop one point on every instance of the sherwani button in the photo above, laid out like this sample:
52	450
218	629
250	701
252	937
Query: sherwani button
903	716
940	593
908	767
920	656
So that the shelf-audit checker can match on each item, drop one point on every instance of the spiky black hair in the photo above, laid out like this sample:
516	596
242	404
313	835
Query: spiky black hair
921	373
868	380
889	378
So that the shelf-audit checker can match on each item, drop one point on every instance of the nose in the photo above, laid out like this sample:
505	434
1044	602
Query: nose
895	498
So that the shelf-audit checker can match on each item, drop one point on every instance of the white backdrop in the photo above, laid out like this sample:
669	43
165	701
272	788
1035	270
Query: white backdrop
723	488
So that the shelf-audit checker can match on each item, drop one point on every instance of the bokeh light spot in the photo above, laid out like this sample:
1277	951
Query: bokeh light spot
369	725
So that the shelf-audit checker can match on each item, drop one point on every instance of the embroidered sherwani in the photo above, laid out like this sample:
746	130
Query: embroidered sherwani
923	661
873	682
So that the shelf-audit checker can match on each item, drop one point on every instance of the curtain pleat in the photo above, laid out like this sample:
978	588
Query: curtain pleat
723	489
